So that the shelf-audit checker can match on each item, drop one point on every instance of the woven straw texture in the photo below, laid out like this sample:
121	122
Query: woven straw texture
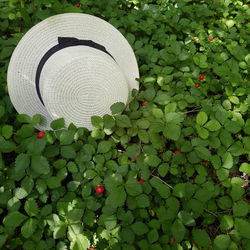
83	86
40	38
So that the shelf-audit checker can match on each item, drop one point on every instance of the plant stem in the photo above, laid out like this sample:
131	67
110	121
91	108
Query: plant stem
163	181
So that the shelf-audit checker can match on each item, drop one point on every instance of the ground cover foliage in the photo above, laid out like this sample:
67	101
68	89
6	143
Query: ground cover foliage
174	164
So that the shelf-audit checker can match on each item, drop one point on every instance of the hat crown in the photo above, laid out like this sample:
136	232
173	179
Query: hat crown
81	80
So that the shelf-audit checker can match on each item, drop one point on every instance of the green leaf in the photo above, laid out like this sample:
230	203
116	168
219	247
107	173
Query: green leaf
152	160
174	117
232	126
117	107
226	223
245	168
180	190
226	138
143	136
80	242
7	131
108	121
2	111
139	228
153	236
178	230
53	182
37	145
14	219
201	118
237	192
39	164
213	125
7	146
59	231
247	127
20	193
186	218
104	147
75	215
222	242
23	118
68	152
243	227
227	160
172	131
203	152
31	207
117	197
161	188
97	121
143	123
58	124
163	169
22	162
202	132
66	137
142	201
2	240
123	121
133	187
37	119
200	60
201	237
29	227
157	113
25	16
171	107
240	209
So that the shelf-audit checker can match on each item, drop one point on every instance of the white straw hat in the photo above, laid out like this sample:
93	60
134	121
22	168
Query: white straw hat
73	66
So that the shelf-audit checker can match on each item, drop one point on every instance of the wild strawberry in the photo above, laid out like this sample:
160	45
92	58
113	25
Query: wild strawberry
197	85
210	38
99	189
141	181
202	77
40	134
78	5
177	151
144	103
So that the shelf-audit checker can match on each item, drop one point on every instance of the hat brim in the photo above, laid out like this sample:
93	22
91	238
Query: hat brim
44	35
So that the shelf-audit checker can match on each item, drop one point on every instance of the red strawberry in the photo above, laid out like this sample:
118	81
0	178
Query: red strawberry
210	38
144	103
78	5
99	189
40	134
197	85
141	181
202	77
177	151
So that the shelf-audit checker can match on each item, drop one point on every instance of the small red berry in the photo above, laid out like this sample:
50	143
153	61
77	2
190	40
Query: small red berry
78	5
144	103
40	134
141	181
202	77
197	85
210	38
205	161
173	240
177	151
99	189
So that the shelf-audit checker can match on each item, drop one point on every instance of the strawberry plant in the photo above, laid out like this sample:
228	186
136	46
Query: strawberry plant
170	170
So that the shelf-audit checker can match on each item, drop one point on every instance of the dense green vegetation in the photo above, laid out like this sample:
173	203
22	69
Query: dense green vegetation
172	168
